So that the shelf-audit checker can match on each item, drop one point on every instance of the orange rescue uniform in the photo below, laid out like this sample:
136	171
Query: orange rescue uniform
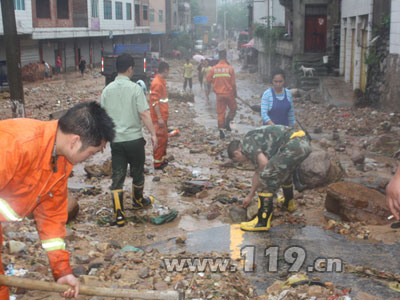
159	97
222	76
32	181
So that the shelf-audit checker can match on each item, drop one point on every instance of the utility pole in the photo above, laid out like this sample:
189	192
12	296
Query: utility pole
269	40
11	42
225	30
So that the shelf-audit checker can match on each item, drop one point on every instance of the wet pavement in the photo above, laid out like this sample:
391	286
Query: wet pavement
270	255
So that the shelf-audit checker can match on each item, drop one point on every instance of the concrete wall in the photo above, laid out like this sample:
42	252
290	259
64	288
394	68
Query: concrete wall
395	27
391	87
23	19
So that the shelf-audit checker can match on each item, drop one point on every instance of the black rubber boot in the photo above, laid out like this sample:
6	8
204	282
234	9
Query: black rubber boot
262	222
138	201
221	134
118	204
288	203
228	124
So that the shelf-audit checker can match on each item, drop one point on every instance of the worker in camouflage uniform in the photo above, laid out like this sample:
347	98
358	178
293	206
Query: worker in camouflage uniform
276	151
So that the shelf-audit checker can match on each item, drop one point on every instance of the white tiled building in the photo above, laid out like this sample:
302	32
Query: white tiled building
355	38
395	27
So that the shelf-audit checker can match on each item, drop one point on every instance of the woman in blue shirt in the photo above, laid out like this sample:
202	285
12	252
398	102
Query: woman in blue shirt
276	102
277	108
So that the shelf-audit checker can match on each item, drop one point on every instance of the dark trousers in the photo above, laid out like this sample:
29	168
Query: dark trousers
186	82
124	153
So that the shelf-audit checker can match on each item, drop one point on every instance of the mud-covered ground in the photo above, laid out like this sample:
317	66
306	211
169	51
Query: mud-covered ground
195	154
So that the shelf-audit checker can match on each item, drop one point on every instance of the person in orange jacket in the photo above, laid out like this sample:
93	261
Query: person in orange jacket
222	76
159	114
36	159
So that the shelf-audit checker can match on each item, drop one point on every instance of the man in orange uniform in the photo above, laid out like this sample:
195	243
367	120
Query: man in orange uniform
36	159
159	114
222	77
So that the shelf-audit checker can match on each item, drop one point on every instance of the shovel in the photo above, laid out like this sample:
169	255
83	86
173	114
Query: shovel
30	284
255	107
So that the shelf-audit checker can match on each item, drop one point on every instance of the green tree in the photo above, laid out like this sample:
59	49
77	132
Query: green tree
236	16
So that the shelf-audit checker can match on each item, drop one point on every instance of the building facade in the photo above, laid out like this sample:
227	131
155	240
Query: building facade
355	34
74	28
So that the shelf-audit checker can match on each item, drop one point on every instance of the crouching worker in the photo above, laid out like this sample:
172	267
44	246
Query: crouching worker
36	159
276	151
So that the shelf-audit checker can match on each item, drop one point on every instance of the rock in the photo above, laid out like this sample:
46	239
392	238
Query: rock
318	170
79	270
181	239
318	129
357	157
376	183
16	247
356	202
115	244
316	290
202	194
237	214
211	215
99	170
82	259
144	272
156	178
385	144
161	286
252	210
331	216
76	187
73	207
276	288
96	265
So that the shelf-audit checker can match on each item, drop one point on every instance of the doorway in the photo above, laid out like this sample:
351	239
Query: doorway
315	29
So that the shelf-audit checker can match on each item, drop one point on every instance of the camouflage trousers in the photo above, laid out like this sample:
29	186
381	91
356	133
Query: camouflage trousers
280	167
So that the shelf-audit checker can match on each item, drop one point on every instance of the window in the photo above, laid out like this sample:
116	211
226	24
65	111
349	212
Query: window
129	11
137	14
19	4
175	18
95	8
62	9
145	17
43	9
151	14
107	10
160	16
118	10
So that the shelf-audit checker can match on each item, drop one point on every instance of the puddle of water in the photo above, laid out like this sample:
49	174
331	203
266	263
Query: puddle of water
191	224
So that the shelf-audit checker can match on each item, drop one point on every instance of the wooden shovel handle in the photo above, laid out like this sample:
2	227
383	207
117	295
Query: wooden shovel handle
30	284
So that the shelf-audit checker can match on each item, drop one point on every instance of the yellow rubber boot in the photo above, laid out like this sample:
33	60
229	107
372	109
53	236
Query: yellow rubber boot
138	201
262	222
117	197
287	201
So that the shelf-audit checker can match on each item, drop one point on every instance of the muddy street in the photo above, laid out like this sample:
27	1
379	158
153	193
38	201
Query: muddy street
355	153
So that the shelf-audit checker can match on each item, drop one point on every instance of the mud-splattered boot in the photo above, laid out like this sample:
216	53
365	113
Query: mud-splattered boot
138	201
118	204
262	222
287	201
